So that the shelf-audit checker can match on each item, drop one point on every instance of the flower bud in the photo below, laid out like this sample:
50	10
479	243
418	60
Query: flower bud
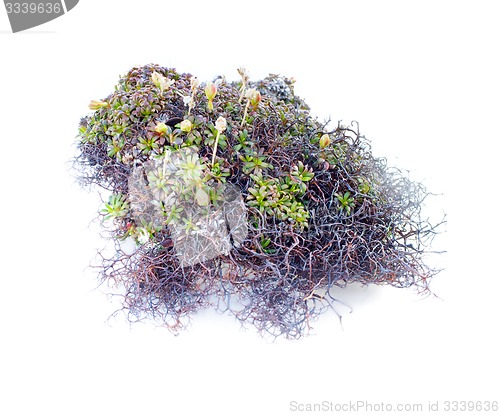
211	91
253	96
324	141
255	99
220	124
186	126
161	128
95	105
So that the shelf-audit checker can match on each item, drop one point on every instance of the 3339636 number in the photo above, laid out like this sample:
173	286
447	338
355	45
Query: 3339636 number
38	8
471	406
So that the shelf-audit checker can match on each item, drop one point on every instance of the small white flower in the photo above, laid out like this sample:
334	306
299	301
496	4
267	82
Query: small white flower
168	84
250	93
161	82
155	77
187	100
143	235
195	83
220	124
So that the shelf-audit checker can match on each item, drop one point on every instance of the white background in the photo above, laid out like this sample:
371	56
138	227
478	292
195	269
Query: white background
422	78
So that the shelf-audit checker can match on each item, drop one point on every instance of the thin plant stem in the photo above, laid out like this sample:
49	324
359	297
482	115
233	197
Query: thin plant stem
245	114
215	147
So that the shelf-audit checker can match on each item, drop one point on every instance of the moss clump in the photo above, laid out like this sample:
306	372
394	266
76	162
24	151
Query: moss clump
237	198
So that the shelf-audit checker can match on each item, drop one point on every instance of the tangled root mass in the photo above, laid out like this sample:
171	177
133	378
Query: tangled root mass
332	214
